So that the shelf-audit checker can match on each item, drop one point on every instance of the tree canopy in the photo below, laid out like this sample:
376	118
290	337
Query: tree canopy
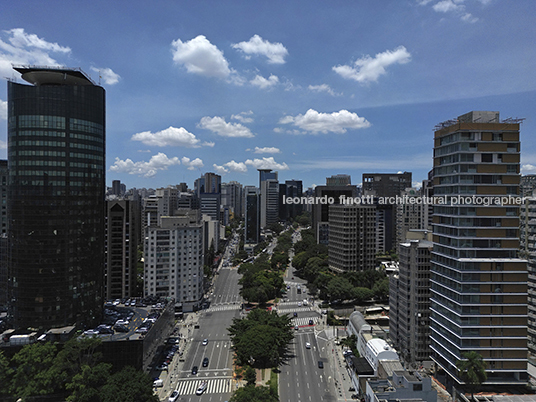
472	370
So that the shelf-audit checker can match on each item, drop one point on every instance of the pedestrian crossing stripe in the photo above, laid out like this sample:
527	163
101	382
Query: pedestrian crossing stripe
304	321
223	307
216	386
293	310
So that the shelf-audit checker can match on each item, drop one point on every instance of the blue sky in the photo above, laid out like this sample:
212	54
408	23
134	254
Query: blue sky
309	88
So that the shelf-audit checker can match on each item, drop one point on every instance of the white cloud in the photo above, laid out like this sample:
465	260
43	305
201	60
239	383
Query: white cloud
3	110
170	137
192	165
199	56
263	83
221	170
323	88
219	126
445	6
239	167
468	17
26	49
336	122
266	163
157	162
275	52
267	150
528	169
107	74
3	145
242	117
368	69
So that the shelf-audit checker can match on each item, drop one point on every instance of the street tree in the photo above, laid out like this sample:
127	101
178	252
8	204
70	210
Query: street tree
250	393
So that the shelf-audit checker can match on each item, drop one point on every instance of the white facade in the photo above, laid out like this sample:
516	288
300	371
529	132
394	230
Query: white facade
174	259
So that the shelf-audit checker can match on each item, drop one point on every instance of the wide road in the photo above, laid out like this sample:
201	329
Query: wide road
212	325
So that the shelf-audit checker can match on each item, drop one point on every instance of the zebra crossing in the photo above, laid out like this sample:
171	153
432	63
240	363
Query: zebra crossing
223	307
303	321
215	386
288	309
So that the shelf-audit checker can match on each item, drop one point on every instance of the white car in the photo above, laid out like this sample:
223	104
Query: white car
305	302
174	397
202	388
158	383
307	345
205	342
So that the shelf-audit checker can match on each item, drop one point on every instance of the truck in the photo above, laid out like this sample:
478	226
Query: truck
22	339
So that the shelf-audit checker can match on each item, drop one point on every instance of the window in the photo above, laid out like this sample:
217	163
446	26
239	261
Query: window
487	157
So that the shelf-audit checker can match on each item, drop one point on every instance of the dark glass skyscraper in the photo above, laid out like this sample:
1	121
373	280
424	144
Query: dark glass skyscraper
56	204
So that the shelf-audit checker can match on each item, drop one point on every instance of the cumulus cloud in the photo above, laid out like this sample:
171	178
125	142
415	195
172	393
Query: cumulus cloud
243	117
266	163
20	47
445	6
219	126
336	122
192	165
239	167
107	75
267	150
3	110
275	52
263	83
3	145
368	69
456	7
157	162
170	137
528	169
323	88
199	56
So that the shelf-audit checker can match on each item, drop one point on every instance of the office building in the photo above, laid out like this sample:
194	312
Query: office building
269	197
409	214
291	189
231	197
252	229
122	235
527	233
173	253
351	238
3	233
320	210
56	205
478	281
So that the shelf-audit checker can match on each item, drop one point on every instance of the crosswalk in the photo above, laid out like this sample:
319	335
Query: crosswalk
215	386
289	309
223	307
303	321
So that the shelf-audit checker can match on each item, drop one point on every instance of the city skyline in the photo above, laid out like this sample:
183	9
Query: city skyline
305	89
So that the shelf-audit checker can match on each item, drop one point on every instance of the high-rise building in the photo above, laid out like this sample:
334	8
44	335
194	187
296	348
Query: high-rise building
409	301
291	189
231	197
409	214
56	205
351	238
339	180
527	234
269	197
478	281
252	230
3	233
122	234
173	265
321	209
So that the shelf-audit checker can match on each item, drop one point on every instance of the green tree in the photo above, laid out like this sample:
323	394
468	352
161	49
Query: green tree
130	385
86	385
472	370
340	288
250	376
251	393
35	372
261	339
5	374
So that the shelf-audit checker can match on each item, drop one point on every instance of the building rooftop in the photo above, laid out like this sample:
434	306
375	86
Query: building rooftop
43	75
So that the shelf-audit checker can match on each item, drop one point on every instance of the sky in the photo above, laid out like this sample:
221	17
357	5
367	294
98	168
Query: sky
308	88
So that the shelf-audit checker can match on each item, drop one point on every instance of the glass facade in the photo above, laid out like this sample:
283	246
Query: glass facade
56	205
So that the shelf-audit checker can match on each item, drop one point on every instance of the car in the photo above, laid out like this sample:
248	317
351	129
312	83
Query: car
158	383
194	370
163	367
205	362
205	342
305	302
307	345
299	304
296	327
295	314
174	397
320	364
202	388
311	322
